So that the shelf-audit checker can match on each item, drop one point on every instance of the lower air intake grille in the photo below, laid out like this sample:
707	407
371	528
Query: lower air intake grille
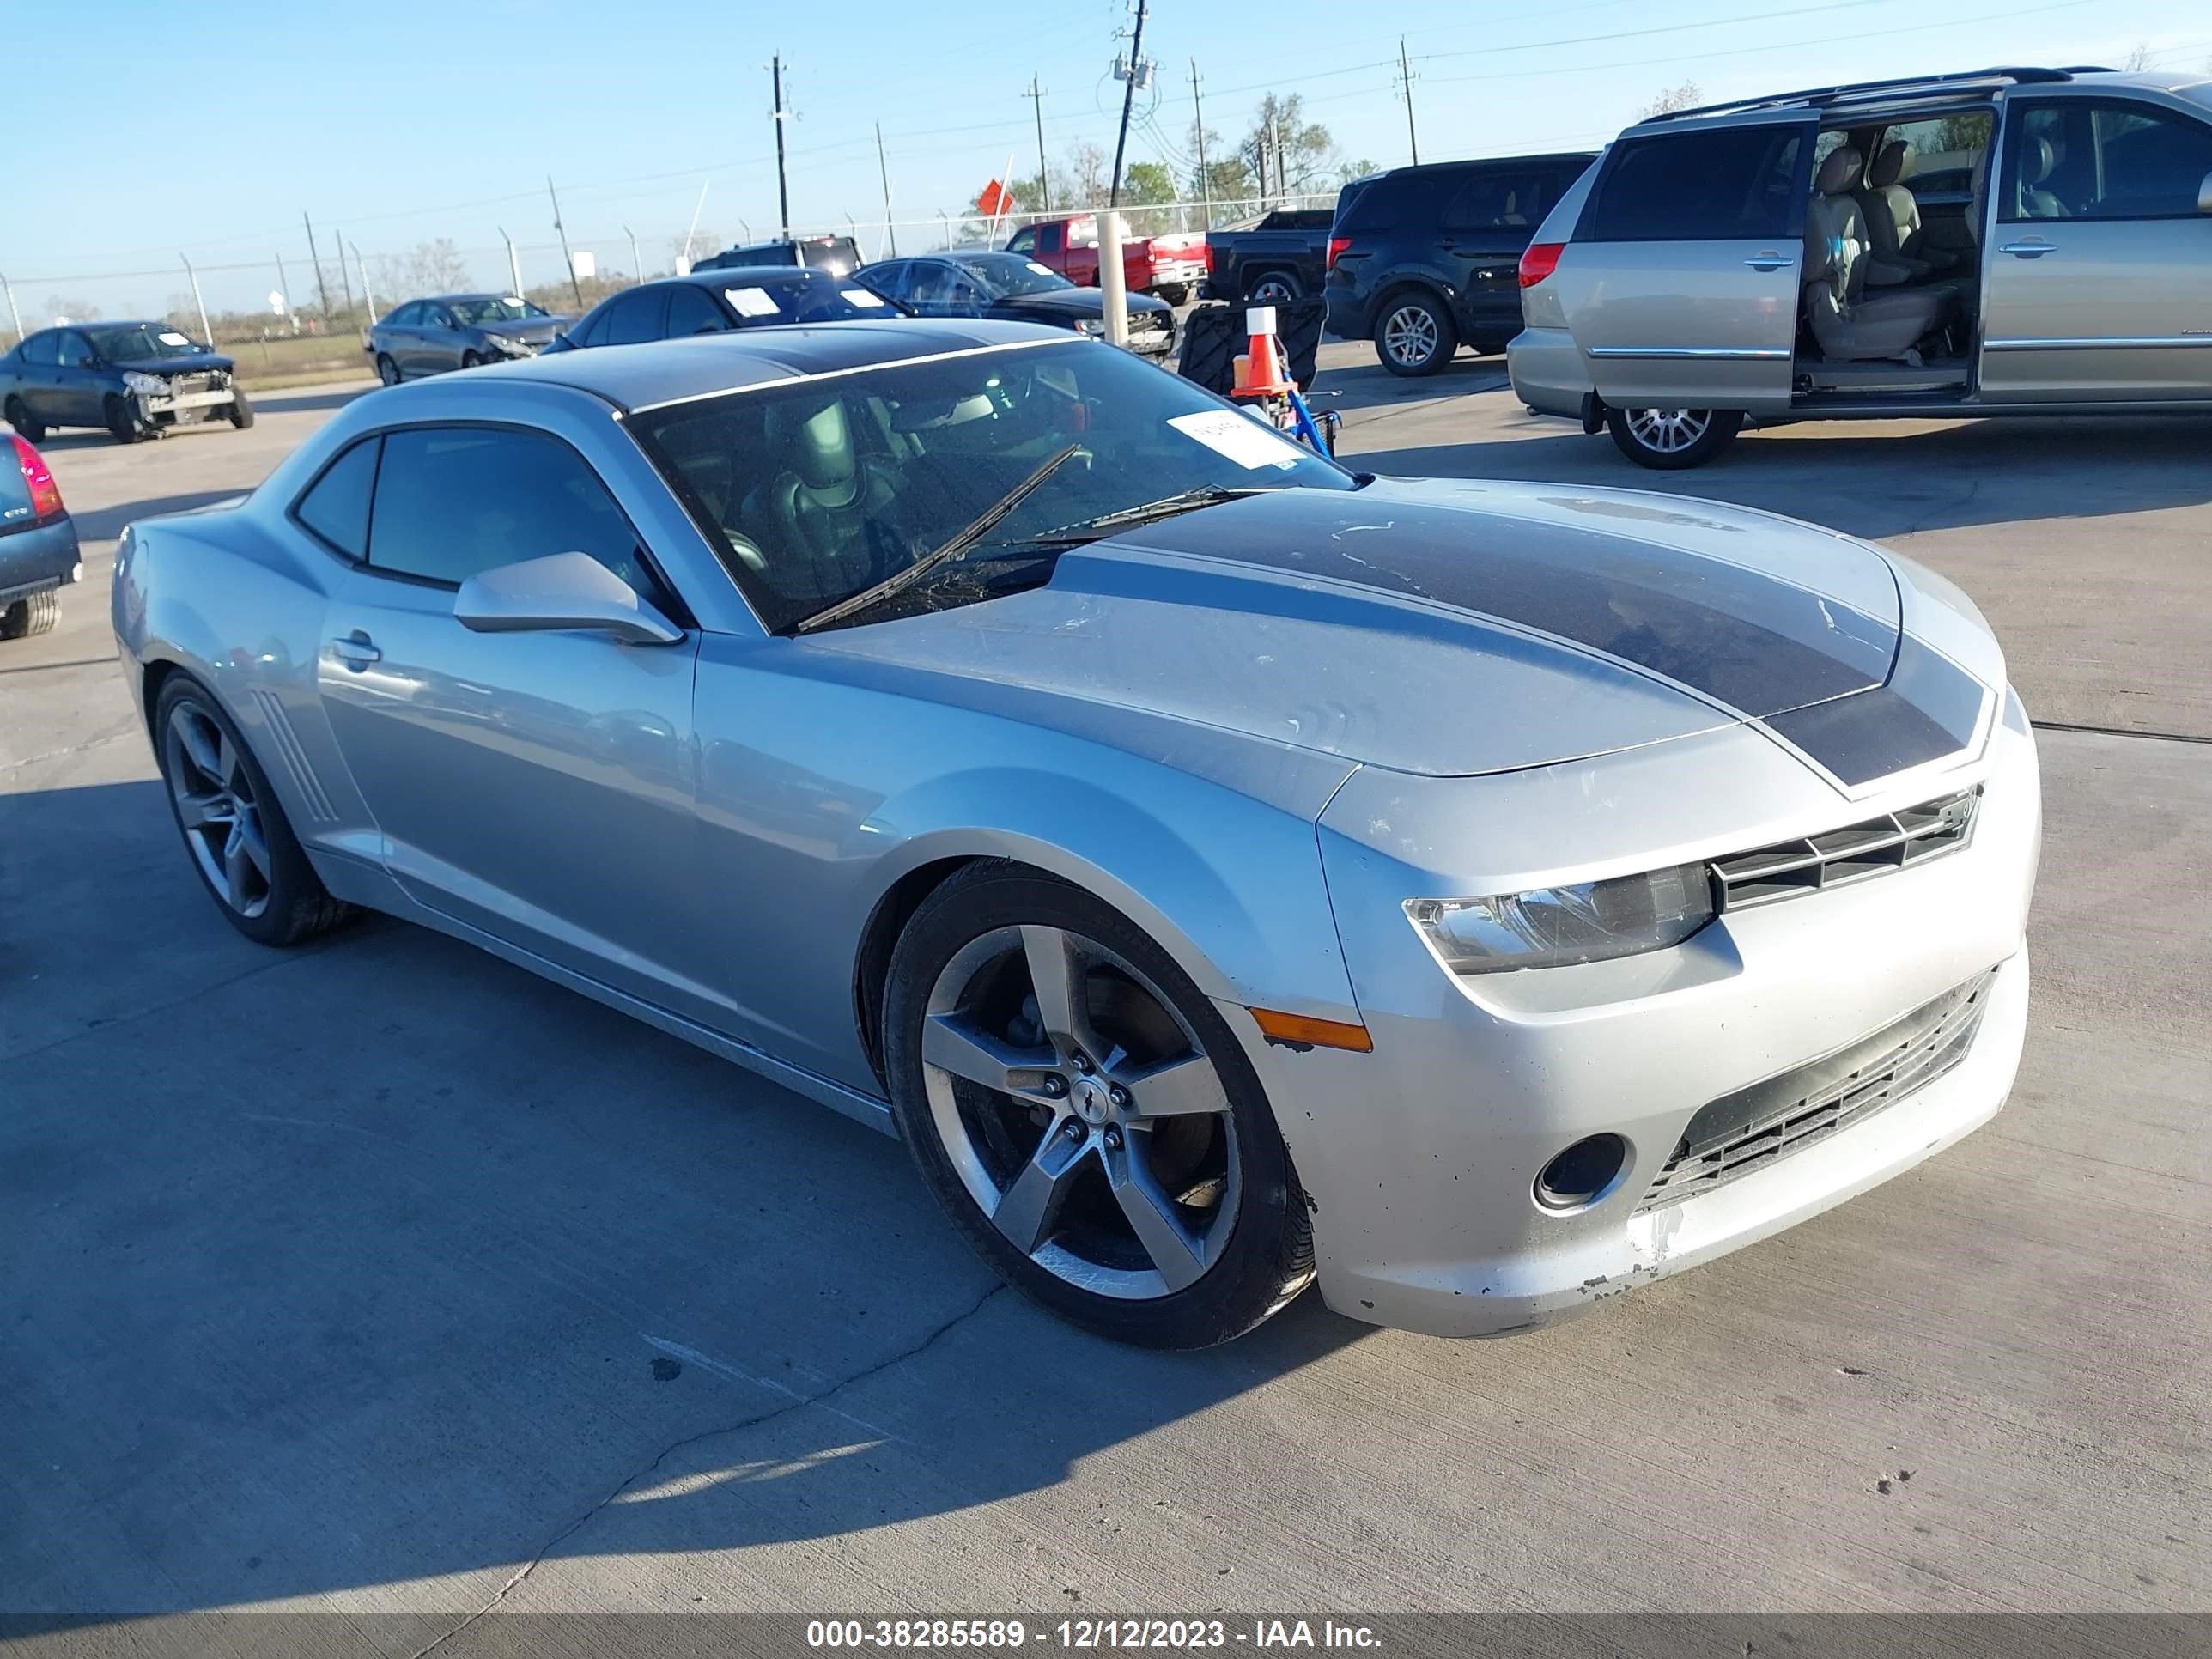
1854	853
1741	1134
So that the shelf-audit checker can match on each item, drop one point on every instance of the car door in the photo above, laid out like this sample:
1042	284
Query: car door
1681	283
1482	232
38	382
78	393
438	343
535	786
2097	283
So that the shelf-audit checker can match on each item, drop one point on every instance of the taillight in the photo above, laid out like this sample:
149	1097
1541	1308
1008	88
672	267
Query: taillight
1336	246
45	493
1541	259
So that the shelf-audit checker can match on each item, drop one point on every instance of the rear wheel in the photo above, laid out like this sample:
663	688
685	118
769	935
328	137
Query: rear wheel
234	828
1415	335
387	370
35	614
241	412
122	423
1274	288
1084	1116
1669	440
33	429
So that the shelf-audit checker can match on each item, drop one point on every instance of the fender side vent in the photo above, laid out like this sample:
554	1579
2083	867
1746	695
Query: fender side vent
285	744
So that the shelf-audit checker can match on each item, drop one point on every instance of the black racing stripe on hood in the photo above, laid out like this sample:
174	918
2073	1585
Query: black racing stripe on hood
1756	643
1931	709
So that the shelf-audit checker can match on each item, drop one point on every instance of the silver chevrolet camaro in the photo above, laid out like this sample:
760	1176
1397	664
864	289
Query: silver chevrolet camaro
1224	871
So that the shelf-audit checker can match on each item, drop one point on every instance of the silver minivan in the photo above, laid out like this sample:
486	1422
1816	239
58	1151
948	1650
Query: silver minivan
2013	241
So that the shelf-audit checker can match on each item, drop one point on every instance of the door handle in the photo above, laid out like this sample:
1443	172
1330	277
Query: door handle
355	650
2028	250
1770	261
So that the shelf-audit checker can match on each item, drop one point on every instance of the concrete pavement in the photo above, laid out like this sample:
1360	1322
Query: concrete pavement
382	1277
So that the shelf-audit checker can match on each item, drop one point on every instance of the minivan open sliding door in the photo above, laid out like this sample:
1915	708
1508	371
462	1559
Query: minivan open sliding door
1681	282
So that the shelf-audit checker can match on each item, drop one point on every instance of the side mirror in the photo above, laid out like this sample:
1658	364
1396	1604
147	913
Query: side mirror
564	591
89	360
2204	194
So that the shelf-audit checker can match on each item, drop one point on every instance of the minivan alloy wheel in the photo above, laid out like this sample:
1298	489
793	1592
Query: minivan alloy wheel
1082	1115
1669	430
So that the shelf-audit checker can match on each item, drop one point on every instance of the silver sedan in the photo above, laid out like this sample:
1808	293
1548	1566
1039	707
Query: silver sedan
1223	870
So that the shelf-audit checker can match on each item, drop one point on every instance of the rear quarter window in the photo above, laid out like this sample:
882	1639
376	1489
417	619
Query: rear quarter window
334	507
1727	183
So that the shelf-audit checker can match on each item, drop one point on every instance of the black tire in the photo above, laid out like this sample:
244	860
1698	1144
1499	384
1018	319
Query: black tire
1669	441
387	370
241	412
121	419
1274	288
469	360
35	613
33	429
297	906
1266	1257
1414	334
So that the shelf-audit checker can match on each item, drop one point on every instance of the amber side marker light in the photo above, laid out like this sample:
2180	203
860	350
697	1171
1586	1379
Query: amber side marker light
1304	1031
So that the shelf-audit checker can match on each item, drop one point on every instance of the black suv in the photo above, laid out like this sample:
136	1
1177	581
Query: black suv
838	255
1422	260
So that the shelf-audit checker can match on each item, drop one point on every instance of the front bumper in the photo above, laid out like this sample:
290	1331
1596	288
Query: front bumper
32	561
1420	1159
1548	371
1178	273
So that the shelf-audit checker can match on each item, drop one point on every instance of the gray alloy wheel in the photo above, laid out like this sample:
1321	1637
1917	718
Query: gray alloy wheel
1274	288
1111	1161
1669	440
218	809
1414	335
387	370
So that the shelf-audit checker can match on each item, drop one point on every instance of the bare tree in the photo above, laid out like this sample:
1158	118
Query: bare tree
703	241
60	306
1685	96
2138	56
433	267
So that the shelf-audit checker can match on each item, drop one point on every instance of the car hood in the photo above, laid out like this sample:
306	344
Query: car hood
198	362
1456	628
1067	303
536	332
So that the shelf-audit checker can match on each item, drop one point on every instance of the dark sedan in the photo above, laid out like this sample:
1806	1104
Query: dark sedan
715	301
989	283
457	331
137	379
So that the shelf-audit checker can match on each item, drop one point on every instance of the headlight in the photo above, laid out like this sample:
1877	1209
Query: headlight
1554	927
1091	325
147	386
512	347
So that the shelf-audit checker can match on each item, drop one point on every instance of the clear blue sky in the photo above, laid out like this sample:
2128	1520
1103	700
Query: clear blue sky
403	121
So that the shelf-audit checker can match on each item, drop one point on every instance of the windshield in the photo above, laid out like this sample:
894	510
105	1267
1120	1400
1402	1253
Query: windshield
1008	274
814	492
496	309
136	341
811	299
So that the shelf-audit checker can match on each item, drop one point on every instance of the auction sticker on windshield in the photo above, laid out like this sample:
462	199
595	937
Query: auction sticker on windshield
751	302
861	296
170	336
1239	437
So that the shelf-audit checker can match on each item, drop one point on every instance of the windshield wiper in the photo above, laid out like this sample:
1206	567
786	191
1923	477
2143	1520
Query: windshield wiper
1168	506
891	586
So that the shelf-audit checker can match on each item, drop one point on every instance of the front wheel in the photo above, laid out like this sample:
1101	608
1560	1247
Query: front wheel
387	370
122	423
1415	336
469	360
1669	440
241	412
1084	1116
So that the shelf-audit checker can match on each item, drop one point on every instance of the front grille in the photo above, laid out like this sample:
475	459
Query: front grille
1836	858
184	385
1741	1134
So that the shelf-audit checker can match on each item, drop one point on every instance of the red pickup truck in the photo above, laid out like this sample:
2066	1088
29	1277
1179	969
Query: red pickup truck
1171	267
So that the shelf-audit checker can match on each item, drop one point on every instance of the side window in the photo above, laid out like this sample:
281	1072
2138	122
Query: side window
888	278
592	330
336	505
1944	151
406	316
2077	159
1727	183
74	349
633	317
454	500
43	351
692	311
1023	240
438	317
1495	201
1050	238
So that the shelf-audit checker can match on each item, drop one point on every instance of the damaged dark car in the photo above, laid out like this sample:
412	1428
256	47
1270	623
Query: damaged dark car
138	380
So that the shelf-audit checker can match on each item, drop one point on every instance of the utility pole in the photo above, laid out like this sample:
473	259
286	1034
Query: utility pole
322	289
344	281
1198	121
200	305
891	232
1035	95
1128	103
1406	80
284	288
782	184
575	286
636	266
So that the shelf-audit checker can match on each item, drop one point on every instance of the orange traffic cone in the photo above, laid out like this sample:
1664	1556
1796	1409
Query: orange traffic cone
1260	372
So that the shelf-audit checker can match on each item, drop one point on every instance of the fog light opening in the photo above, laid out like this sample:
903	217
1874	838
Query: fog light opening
1583	1174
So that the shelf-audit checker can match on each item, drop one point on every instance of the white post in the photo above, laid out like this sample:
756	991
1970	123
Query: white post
636	264
368	298
697	208
206	333
1110	276
513	264
14	315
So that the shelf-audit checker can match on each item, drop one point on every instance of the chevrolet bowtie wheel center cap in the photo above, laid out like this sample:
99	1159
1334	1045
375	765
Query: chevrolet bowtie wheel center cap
1091	1100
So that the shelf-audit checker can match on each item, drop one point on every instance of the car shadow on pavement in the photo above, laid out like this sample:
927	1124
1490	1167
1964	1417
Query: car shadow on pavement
1370	386
381	1261
106	523
308	399
1876	485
